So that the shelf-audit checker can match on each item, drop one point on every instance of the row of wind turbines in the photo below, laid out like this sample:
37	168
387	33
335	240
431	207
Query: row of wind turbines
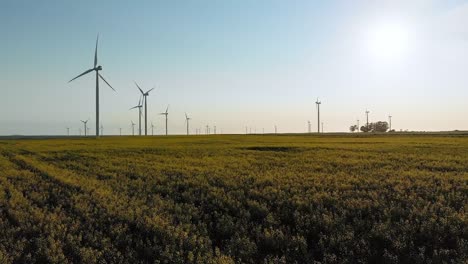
143	100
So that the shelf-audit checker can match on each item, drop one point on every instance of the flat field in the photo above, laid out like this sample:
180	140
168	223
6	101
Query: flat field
235	199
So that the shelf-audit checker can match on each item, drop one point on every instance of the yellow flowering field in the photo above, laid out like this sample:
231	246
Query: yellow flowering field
235	199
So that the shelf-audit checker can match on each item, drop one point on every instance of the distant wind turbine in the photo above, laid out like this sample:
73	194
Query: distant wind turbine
166	113
96	68
133	128
318	115
309	129
68	131
390	122
145	95
367	119
139	106
187	119
85	123
152	129
102	130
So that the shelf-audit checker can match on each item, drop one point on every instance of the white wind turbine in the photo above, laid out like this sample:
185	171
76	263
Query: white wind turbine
85	123
187	119
133	128
145	99
139	106
166	114
96	68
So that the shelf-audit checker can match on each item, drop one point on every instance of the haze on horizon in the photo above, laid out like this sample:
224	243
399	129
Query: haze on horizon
235	64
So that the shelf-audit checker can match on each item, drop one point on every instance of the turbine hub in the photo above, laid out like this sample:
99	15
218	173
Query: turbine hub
98	68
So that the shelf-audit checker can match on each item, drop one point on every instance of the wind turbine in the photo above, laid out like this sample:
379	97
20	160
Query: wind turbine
166	113
390	122
96	68
187	119
133	128
85	124
308	126
152	129
145	95
68	131
318	115
358	126
367	119
139	106
102	130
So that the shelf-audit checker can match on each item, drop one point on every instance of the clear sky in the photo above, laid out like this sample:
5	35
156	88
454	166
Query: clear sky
235	63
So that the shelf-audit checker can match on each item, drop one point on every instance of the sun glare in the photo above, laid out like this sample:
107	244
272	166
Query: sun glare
389	41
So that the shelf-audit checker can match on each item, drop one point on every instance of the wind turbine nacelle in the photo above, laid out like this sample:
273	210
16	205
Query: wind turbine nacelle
99	68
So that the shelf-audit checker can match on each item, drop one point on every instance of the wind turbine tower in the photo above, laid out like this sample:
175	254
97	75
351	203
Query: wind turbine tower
166	113
145	99
152	129
309	129
367	119
133	128
390	122
68	131
139	106
187	119
318	115
96	68
102	130
85	123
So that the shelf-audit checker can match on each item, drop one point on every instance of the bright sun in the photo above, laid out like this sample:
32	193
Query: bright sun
388	41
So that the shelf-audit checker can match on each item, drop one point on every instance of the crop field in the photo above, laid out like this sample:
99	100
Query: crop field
235	199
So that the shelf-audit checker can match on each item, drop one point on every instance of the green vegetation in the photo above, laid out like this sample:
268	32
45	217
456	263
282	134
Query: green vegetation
235	199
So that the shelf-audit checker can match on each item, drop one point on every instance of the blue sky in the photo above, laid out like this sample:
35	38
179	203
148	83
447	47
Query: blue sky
234	63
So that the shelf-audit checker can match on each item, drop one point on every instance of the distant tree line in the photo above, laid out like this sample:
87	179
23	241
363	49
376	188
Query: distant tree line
379	126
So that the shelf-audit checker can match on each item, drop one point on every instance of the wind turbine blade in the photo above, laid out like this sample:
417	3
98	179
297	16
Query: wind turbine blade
86	72
186	117
106	82
140	102
95	52
167	108
151	90
138	86
134	107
